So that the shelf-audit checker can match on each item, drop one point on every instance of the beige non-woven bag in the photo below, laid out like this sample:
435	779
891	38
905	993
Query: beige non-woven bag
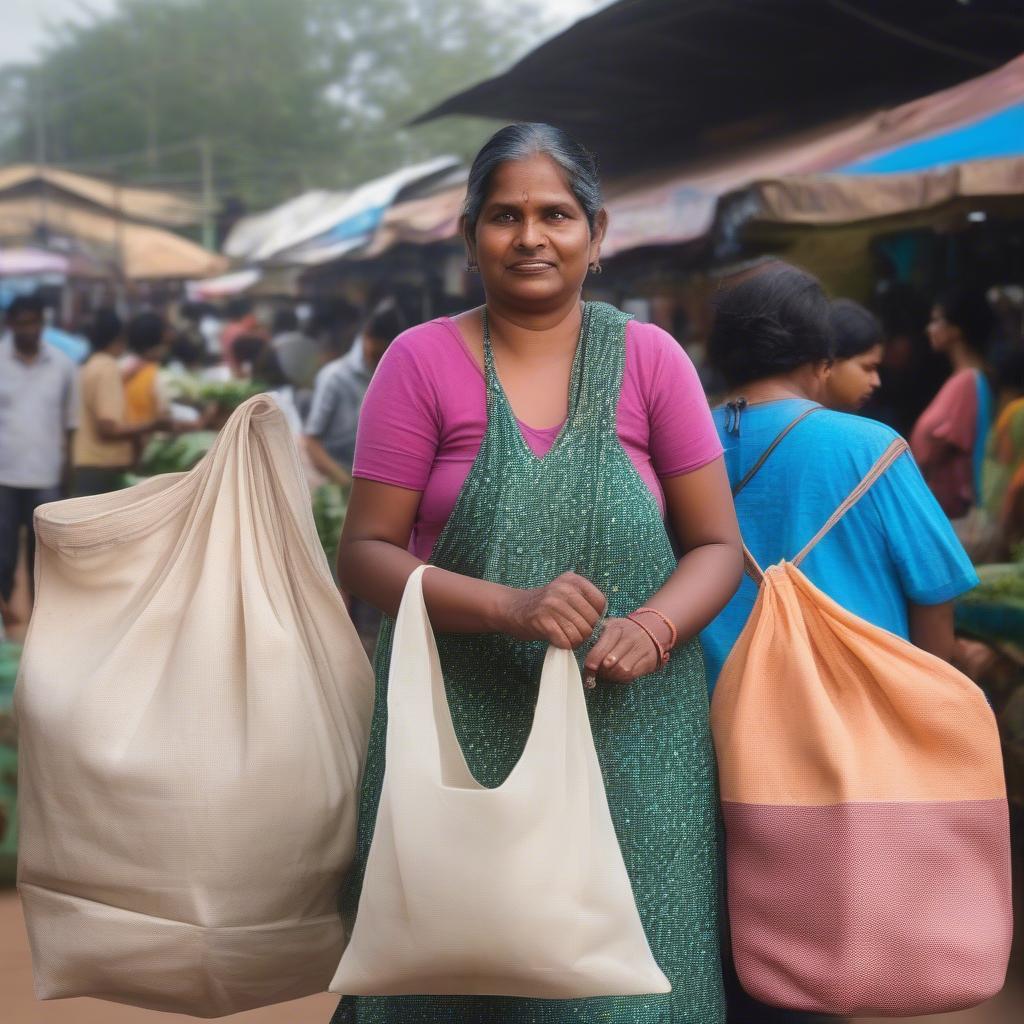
519	890
193	707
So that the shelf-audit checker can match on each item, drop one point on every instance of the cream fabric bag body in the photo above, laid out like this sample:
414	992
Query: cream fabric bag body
519	890
193	708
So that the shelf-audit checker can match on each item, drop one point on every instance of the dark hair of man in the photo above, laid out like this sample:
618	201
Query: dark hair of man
521	141
248	348
267	369
145	332
770	324
334	324
855	329
238	308
968	308
386	322
105	329
26	304
186	351
193	312
284	321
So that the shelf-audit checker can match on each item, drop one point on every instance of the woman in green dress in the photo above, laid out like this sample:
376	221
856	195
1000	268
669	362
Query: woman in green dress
534	449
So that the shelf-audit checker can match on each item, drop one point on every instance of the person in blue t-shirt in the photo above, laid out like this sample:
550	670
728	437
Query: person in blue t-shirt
894	559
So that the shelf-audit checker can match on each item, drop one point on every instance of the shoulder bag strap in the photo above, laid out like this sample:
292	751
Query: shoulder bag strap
888	457
753	471
750	566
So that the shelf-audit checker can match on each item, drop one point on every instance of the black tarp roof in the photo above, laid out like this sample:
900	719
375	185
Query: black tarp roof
650	82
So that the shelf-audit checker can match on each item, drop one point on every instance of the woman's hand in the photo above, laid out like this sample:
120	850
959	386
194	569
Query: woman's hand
623	652
563	613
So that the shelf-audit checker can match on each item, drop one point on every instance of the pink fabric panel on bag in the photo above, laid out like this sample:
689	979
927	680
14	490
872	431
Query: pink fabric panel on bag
819	897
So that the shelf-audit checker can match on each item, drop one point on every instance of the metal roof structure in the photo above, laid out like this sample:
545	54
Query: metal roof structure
647	83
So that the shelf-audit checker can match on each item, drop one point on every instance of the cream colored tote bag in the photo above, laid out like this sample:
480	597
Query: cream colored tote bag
515	891
193	708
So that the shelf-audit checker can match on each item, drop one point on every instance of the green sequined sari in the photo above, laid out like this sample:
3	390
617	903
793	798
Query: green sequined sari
521	520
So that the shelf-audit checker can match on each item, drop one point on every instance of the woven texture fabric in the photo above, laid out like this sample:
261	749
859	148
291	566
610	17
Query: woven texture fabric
515	890
193	709
522	520
892	874
867	838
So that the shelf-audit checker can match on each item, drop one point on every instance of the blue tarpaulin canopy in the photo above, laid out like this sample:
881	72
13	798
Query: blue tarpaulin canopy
997	135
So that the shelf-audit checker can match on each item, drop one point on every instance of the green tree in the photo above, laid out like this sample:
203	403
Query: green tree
289	94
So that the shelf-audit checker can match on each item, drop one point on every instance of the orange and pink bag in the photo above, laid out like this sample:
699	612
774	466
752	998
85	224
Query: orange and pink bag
867	832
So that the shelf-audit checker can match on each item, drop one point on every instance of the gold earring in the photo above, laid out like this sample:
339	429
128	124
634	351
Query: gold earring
596	268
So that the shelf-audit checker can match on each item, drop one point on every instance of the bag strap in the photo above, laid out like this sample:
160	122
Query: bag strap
750	566
888	457
753	471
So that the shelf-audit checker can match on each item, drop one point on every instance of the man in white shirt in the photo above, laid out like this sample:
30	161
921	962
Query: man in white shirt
38	413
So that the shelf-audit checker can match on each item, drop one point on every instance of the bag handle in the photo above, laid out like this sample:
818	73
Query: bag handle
888	457
750	566
420	729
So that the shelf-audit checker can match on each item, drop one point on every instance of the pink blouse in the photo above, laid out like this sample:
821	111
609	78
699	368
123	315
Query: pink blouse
943	443
425	415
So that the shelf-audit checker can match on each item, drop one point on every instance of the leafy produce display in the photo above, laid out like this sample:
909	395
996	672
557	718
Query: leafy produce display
175	454
228	394
994	610
171	455
10	655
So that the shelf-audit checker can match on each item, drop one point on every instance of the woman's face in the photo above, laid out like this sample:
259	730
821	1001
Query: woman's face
532	242
853	381
941	333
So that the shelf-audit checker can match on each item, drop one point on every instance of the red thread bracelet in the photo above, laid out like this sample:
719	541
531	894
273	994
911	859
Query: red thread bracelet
662	653
673	633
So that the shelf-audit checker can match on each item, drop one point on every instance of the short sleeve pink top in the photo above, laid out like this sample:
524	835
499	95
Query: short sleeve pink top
943	443
425	415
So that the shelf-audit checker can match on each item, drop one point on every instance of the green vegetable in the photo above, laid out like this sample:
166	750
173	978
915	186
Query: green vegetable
175	454
229	394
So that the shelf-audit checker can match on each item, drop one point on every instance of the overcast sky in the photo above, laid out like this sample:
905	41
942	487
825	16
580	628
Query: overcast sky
25	25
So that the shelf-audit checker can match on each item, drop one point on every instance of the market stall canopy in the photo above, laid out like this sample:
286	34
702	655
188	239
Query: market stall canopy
137	251
675	206
29	262
35	262
265	282
142	204
1000	134
260	235
646	83
224	286
845	199
420	221
321	226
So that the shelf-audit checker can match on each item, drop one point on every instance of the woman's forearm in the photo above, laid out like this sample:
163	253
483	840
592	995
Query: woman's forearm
702	584
376	571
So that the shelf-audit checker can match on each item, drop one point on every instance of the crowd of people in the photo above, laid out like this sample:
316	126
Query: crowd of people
76	424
